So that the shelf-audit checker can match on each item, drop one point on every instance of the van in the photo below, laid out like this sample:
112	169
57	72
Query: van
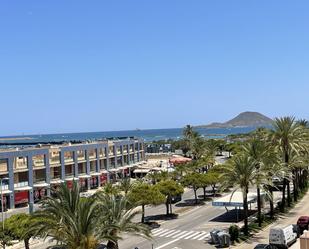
282	237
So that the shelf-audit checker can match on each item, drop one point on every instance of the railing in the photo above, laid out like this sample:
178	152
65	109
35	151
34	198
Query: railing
69	175
39	180
54	160
21	184
68	159
5	187
38	163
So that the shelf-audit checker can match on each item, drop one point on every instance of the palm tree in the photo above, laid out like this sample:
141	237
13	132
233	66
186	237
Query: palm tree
126	185
68	219
188	132
261	154
290	137
115	218
110	189
240	172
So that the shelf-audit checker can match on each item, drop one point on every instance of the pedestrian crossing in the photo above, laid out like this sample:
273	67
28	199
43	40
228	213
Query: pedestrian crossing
179	234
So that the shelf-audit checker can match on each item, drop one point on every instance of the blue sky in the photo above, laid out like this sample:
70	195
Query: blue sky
69	66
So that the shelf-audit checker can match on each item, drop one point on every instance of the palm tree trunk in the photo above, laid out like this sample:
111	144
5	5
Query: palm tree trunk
143	214
26	242
289	193
246	213
283	195
271	203
171	208
112	245
295	191
259	206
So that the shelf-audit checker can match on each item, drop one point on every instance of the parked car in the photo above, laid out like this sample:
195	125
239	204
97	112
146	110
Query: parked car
282	237
303	222
176	198
265	246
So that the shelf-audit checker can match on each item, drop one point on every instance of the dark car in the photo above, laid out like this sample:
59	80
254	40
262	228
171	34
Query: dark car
303	222
265	246
176	198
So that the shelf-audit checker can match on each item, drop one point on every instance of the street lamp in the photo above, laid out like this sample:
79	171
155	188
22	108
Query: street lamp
2	213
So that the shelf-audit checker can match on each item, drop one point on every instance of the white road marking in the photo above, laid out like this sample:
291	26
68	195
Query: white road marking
182	236
177	231
166	244
156	230
190	236
160	232
200	235
205	236
175	236
167	233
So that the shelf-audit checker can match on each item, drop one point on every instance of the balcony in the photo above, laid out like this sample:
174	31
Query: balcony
39	163
54	160
3	167
22	186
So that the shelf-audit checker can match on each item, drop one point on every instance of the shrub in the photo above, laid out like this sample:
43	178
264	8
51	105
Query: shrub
234	232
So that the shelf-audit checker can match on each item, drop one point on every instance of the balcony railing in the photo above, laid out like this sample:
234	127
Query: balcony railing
21	184
39	180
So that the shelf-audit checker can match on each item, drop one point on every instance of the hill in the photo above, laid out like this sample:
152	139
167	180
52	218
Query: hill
244	119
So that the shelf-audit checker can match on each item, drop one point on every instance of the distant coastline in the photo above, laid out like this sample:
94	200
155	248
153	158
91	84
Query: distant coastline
15	138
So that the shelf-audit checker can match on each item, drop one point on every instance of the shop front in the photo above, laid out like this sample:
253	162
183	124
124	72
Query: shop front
21	197
40	191
103	179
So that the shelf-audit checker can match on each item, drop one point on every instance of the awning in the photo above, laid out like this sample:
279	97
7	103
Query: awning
84	176
56	181
95	174
123	167
40	185
157	169
141	170
6	191
113	170
234	200
179	160
24	188
71	179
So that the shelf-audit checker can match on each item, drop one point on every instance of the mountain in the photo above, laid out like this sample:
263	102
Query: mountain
244	119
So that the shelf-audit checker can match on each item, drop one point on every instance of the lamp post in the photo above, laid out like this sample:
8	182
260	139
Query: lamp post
2	207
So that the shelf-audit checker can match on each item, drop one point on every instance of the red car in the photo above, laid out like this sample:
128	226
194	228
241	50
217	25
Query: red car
303	222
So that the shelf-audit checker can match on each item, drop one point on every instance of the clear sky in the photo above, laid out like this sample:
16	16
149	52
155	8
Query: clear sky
68	66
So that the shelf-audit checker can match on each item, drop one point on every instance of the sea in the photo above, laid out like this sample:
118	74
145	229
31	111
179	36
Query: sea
148	135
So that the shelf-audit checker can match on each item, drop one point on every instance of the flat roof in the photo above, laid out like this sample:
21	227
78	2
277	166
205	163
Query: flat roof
234	200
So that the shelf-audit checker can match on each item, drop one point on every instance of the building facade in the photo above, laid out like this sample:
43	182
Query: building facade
31	173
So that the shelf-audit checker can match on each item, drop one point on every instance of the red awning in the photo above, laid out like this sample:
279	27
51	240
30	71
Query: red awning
179	160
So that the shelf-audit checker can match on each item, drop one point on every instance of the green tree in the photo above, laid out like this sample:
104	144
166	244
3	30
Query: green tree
204	184
115	217
143	194
68	219
289	137
213	179
169	188
240	172
6	237
20	226
194	181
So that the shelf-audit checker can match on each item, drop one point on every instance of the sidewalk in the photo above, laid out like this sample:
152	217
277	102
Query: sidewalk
302	208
